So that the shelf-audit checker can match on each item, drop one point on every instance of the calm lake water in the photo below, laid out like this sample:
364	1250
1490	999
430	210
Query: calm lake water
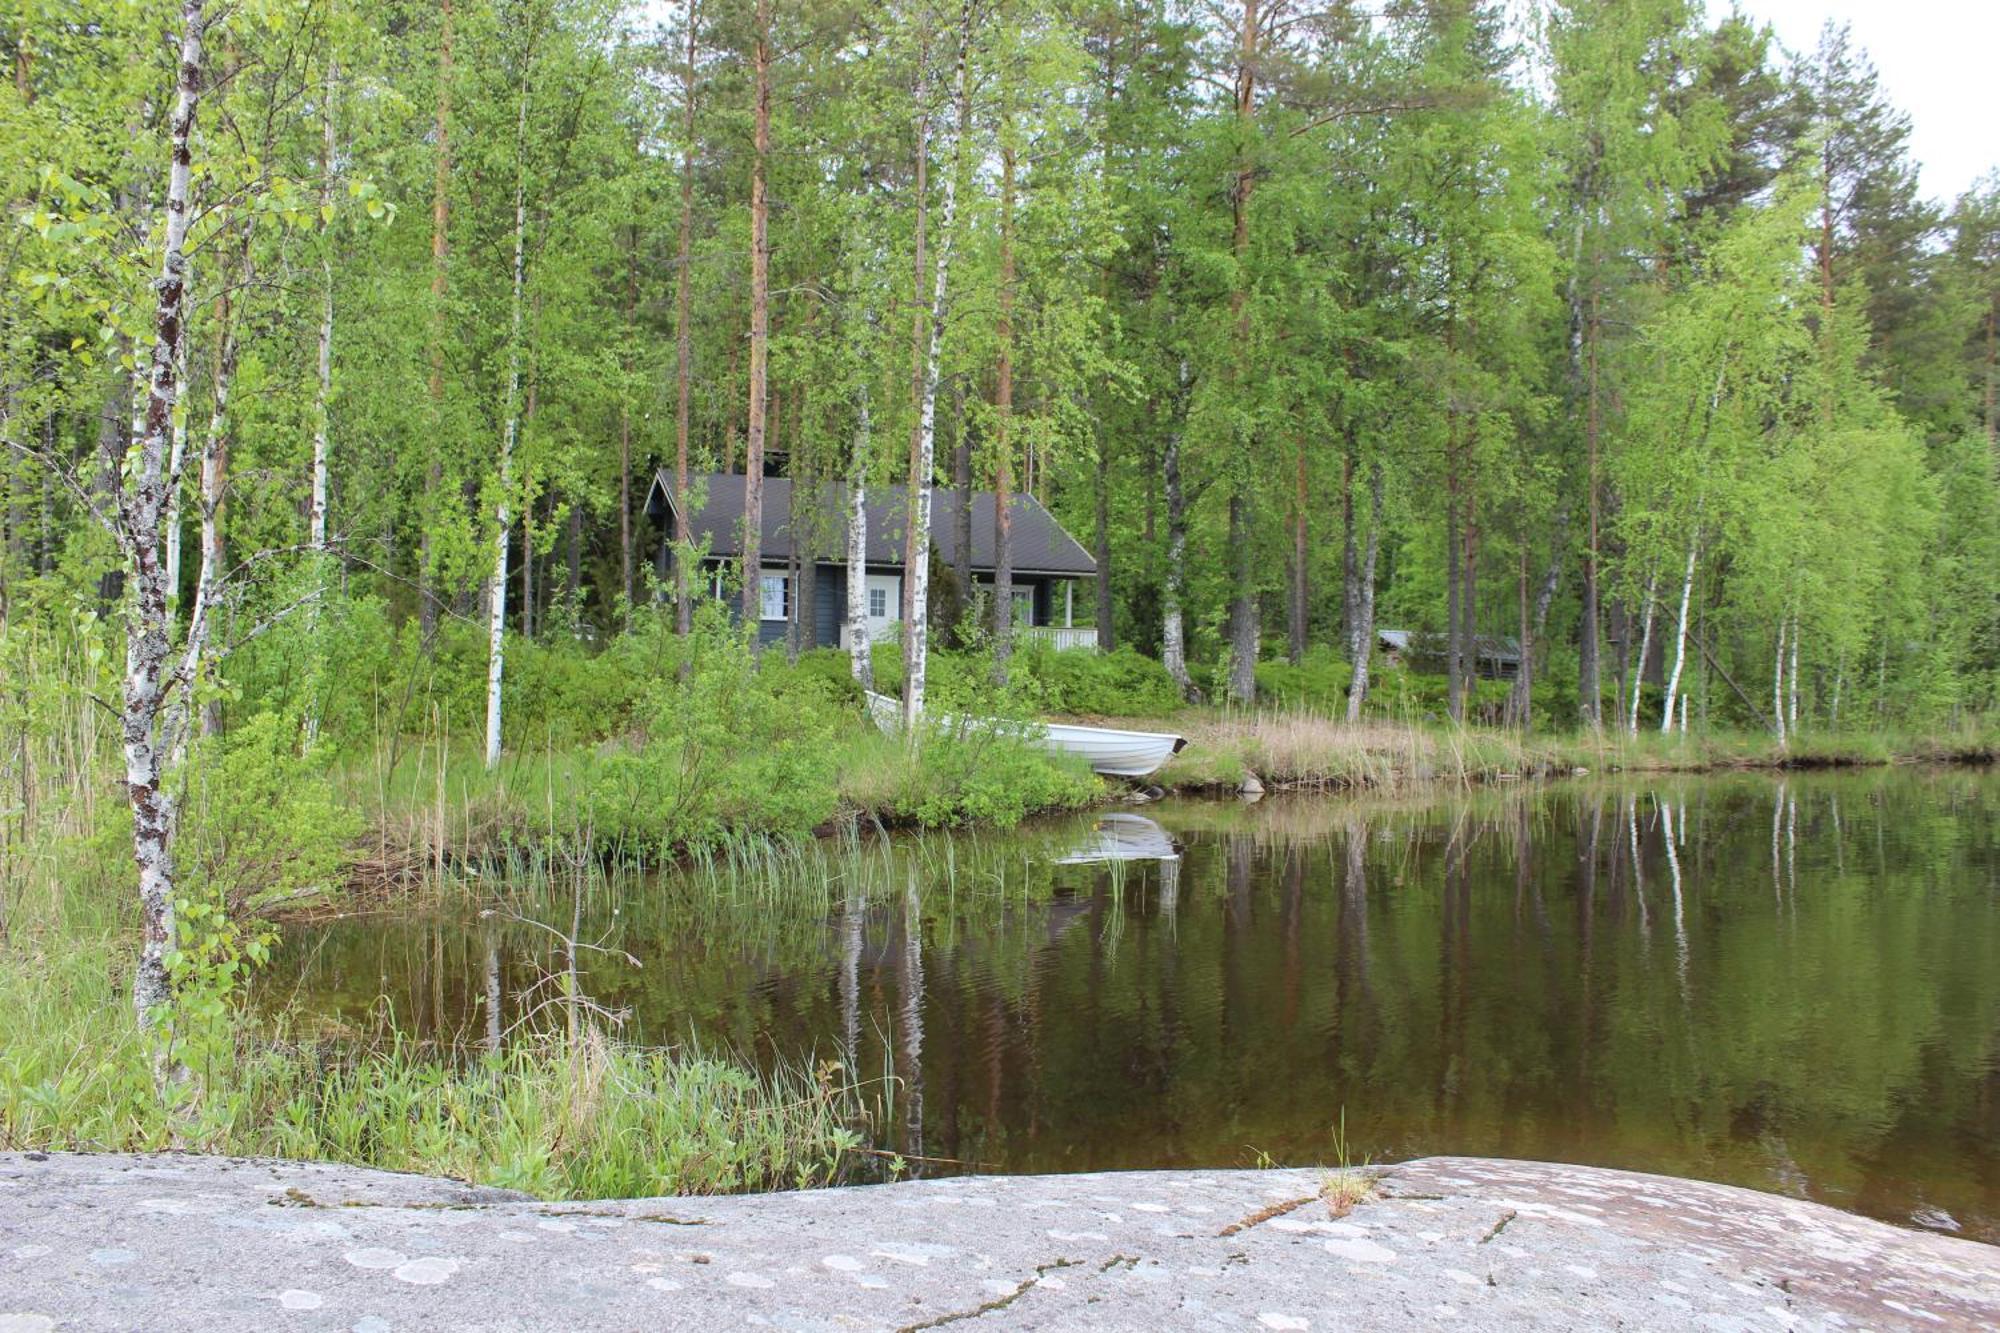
1788	984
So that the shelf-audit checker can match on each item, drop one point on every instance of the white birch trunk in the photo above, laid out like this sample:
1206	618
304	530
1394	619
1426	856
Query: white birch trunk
916	639
496	640
322	405
1173	630
1364	625
1680	638
142	503
1639	667
1778	684
214	488
176	462
860	660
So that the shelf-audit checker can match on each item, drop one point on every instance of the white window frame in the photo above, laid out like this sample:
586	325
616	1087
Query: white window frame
769	582
880	594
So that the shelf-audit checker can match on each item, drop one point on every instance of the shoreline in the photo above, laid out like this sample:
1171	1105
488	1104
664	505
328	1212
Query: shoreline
181	1241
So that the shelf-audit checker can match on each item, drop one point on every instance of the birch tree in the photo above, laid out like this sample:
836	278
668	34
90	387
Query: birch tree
923	460
496	625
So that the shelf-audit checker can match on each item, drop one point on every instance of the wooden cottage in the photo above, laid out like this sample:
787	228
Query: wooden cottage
803	560
1496	657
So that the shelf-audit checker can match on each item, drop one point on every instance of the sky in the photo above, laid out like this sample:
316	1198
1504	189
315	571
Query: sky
1935	58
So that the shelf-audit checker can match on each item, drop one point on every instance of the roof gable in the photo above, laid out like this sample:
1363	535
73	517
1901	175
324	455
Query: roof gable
1038	543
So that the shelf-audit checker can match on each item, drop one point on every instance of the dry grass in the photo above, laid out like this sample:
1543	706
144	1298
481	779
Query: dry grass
1317	752
1313	751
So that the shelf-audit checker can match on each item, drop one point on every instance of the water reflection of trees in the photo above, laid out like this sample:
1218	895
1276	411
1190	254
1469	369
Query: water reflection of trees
1783	982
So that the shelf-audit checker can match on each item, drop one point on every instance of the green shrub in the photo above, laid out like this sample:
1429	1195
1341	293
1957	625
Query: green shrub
261	824
1317	684
1121	683
723	752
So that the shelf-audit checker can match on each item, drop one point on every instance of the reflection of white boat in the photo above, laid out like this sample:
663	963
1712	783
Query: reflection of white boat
1118	754
1123	837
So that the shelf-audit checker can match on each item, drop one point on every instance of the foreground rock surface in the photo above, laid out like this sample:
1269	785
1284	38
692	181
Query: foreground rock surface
184	1242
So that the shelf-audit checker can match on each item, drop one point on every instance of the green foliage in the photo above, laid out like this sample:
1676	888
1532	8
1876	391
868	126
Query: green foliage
261	825
723	751
1122	683
1317	683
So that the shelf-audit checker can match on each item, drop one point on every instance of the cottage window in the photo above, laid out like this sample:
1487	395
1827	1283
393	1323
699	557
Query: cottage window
878	603
776	590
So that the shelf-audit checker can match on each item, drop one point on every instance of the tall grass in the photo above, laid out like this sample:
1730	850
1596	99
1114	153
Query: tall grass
559	1108
1304	749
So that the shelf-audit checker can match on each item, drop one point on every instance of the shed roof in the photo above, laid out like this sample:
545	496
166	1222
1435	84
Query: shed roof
1038	543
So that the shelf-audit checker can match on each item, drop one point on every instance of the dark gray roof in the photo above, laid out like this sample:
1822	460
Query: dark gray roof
1039	545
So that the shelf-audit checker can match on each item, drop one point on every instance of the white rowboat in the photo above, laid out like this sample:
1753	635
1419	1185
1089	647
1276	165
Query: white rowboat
1122	837
1114	753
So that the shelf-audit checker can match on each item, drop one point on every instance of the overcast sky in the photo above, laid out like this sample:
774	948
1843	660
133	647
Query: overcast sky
1936	62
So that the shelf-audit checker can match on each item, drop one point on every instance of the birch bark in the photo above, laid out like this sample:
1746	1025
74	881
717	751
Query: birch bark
214	494
496	641
141	506
1680	638
860	660
1364	630
1173	633
1639	667
916	570
1778	685
1003	402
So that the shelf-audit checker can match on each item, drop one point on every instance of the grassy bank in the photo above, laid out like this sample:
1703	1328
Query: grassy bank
1313	752
656	749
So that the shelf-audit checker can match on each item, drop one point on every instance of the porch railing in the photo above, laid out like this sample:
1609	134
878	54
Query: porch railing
1062	637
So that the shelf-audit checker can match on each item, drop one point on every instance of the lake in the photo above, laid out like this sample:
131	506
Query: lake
1790	983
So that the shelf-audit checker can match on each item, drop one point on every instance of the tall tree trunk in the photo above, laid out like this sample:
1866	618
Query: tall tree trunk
141	506
1350	564
1544	598
1645	651
1364	636
1173	634
1242	605
683	336
1680	640
860	660
496	625
176	465
323	394
1523	691
1589	684
1454	566
625	560
1778	686
1003	400
1243	601
961	518
1468	604
917	565
215	481
427	595
1296	621
1107	632
760	327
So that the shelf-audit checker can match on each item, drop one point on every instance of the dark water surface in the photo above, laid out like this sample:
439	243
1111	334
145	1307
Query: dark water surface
1788	984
